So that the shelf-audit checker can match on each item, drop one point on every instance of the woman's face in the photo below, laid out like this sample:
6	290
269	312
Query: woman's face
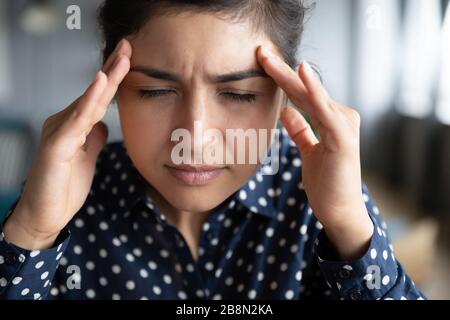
183	70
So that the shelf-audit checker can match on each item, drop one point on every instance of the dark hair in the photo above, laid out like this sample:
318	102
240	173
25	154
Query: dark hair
281	20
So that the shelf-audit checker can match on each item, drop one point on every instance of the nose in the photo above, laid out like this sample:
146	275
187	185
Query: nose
196	117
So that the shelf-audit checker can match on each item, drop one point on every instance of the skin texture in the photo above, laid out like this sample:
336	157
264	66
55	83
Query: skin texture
195	48
181	46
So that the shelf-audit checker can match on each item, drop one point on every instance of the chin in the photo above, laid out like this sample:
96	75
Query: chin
194	201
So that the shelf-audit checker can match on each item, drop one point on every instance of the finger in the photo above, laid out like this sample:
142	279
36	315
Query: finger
318	96
80	120
293	84
116	75
286	78
95	141
122	47
298	129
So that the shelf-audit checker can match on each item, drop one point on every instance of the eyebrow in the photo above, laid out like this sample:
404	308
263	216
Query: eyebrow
222	78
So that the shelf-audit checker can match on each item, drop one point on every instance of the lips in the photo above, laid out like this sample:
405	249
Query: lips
195	175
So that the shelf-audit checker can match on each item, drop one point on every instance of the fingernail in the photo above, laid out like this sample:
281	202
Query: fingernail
307	66
268	53
119	44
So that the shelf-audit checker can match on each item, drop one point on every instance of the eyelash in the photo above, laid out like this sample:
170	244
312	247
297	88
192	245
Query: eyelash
243	98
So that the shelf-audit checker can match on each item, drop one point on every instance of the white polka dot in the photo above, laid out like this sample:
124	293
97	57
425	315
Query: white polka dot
164	253
269	232
143	273
262	202
199	293
273	285
79	223
167	279
385	280
44	275
54	291
260	276
148	239
182	295
227	223
103	253
287	176
259	248
90	294
103	281
368	277
3	282
90	265
39	264
130	285
116	269
90	210
289	294
296	162
319	226
298	275
291	201
16	280
385	255
366	197
103	226
91	237
209	266
303	229
34	253
77	250
251	185
373	253
294	248
25	291
156	290
36	296
152	265
116	296
252	294
229	281
243	195
271	192
376	210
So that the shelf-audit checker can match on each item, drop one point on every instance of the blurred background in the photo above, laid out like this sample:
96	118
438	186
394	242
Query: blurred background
389	59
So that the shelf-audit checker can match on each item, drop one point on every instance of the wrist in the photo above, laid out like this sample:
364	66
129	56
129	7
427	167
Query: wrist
351	240
19	234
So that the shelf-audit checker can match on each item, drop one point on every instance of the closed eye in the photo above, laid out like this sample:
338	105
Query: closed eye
240	97
155	93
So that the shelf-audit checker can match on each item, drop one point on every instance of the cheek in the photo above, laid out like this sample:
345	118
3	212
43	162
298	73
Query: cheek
145	131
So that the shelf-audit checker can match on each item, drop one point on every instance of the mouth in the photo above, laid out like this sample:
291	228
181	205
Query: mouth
195	175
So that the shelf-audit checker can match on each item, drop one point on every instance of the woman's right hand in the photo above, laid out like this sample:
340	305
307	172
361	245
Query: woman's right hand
61	175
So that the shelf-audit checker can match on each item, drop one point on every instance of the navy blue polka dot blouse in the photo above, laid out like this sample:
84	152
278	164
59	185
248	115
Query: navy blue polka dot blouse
263	242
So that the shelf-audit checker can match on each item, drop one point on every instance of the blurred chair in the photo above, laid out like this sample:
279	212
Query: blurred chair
16	150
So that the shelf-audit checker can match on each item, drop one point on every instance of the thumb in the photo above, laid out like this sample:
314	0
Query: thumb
95	141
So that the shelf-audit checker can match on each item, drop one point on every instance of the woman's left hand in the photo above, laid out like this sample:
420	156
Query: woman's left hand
331	167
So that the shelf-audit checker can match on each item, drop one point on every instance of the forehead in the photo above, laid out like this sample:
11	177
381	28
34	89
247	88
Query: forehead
192	40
